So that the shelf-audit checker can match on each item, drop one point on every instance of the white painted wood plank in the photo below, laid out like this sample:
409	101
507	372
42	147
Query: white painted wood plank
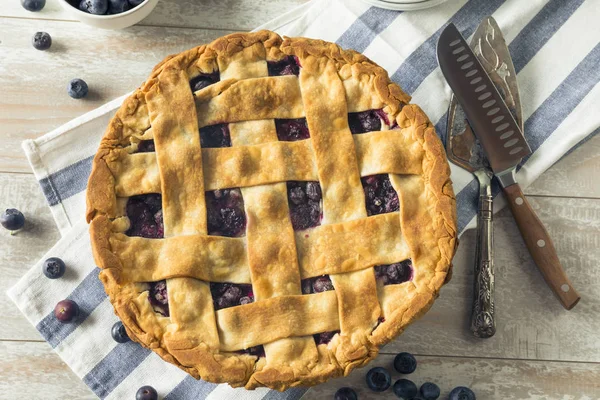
214	14
33	371
19	252
531	324
489	379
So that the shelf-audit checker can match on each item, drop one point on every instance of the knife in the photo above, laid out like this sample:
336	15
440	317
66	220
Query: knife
504	145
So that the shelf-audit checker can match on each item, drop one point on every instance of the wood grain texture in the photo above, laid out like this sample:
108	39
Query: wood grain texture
34	371
489	379
213	14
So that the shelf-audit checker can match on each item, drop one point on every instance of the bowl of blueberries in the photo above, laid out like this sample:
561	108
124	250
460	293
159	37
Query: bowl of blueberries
109	14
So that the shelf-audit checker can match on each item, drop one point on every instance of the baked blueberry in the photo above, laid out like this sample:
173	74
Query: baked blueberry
135	3
53	268
66	311
380	196
405	389
214	136
159	297
41	41
33	5
324	337
117	6
430	391
322	284
146	393
392	274
461	393
366	121
227	295
287	66
258	351
98	7
203	80
119	333
405	363
146	146
345	393
290	130
12	219
145	216
225	213
77	89
304	200
378	379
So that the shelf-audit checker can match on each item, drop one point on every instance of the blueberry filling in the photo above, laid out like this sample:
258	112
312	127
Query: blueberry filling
290	130
287	66
145	216
146	146
392	274
158	297
317	284
380	196
226	216
366	121
324	337
304	199
227	295
215	136
203	80
258	351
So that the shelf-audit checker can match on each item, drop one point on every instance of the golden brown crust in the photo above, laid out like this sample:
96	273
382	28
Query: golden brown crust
421	176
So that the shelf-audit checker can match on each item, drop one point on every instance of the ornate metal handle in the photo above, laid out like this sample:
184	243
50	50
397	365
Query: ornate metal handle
483	324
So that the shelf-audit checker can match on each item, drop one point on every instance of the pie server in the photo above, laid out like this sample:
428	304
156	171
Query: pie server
505	146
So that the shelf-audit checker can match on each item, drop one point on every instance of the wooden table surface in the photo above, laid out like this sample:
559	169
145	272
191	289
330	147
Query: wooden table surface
540	351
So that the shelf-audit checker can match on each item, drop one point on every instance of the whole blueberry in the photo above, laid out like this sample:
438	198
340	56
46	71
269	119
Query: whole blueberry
405	363
146	393
41	41
119	333
345	393
118	6
53	268
378	379
33	5
98	7
12	219
77	89
430	391
135	3
66	311
461	393
405	389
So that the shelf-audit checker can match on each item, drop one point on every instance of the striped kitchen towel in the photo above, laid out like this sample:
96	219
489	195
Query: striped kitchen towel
555	45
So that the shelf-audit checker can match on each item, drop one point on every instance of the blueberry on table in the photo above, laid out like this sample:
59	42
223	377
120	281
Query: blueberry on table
77	89
33	5
98	7
66	311
378	379
117	6
405	363
430	391
53	268
41	40
405	389
12	219
119	333
146	393
461	393
345	393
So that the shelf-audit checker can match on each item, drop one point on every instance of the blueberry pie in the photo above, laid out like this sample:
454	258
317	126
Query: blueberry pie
269	212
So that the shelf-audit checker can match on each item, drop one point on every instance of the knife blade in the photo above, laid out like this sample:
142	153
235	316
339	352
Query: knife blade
504	145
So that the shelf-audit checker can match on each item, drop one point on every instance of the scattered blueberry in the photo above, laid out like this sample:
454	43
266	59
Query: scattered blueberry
159	297
77	89
117	6
378	379
135	3
146	393
98	7
12	219
392	274
461	393
66	311
430	391
225	213
405	389
345	393
119	333
54	268
405	363
33	5
41	41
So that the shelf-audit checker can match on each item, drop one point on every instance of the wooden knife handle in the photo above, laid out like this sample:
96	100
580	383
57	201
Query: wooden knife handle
541	247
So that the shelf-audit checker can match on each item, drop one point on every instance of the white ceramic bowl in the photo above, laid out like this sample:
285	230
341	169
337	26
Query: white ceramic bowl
115	21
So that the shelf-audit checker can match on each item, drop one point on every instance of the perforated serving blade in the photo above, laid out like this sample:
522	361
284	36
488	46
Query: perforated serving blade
499	133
